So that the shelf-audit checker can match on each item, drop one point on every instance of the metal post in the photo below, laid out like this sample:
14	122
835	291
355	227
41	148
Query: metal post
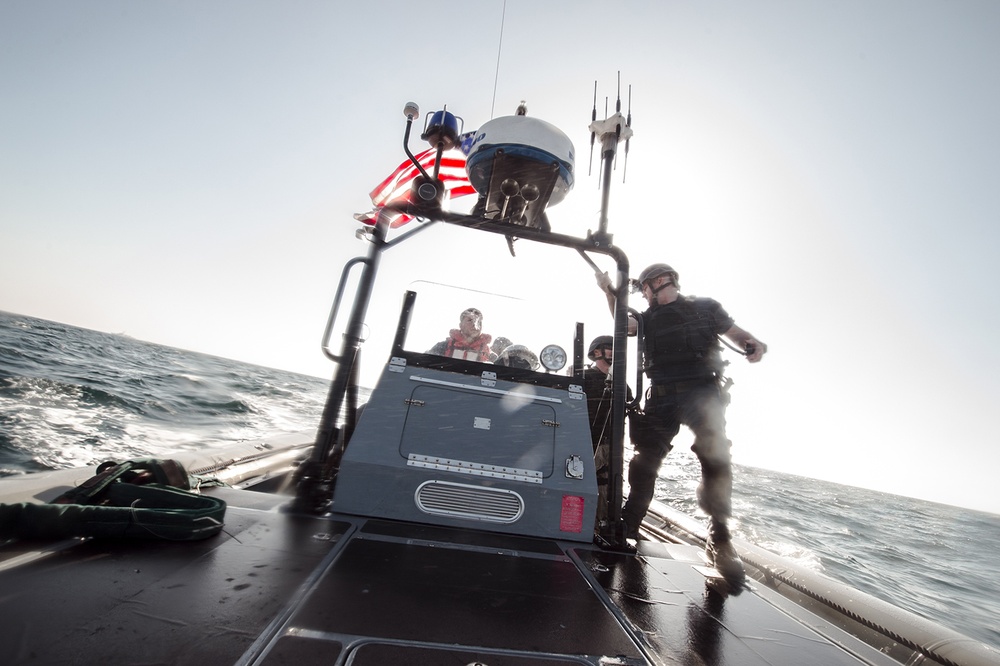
315	480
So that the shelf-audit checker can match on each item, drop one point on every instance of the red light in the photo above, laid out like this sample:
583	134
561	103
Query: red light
571	516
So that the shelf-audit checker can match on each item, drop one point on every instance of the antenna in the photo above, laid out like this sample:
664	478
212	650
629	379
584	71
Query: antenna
496	77
618	112
628	125
593	119
600	176
612	130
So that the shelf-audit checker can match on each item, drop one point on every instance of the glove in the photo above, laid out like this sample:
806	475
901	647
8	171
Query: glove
604	282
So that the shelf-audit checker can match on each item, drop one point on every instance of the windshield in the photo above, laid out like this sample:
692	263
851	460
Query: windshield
490	327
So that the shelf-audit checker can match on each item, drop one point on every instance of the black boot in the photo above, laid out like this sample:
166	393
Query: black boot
722	555
631	527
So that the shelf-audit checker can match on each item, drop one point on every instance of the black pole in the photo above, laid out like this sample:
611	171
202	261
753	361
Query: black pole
619	393
609	156
316	477
351	346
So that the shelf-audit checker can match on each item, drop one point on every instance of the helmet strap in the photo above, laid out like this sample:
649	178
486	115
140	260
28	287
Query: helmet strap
668	283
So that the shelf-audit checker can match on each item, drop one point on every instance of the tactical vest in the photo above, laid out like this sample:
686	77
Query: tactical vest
682	341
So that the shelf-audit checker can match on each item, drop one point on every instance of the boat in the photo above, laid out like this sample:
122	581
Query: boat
450	517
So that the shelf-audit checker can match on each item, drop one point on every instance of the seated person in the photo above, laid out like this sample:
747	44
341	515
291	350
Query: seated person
468	341
498	346
518	356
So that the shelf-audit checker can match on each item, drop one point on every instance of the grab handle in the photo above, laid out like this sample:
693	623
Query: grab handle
336	307
639	353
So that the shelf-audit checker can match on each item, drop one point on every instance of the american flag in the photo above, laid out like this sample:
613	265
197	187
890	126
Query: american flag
395	188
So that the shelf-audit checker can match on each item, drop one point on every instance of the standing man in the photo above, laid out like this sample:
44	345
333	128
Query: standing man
597	386
683	362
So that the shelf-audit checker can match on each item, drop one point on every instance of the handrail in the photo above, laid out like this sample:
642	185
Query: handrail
318	475
595	243
639	353
335	308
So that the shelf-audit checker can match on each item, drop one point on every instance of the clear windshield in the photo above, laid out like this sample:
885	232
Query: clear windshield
491	327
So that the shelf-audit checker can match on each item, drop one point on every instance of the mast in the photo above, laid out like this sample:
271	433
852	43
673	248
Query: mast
613	130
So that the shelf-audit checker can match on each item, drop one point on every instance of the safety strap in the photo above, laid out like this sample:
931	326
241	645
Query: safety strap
143	499
139	471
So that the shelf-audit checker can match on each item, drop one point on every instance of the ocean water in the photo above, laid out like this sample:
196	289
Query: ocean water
71	396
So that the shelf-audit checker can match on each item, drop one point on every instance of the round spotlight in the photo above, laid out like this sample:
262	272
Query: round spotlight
553	357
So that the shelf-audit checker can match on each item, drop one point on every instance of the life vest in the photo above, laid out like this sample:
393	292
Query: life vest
682	339
456	346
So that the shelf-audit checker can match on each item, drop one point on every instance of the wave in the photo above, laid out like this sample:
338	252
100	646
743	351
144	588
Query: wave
71	397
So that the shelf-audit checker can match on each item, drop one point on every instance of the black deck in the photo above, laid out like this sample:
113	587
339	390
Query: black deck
276	588
154	602
417	593
687	615
412	594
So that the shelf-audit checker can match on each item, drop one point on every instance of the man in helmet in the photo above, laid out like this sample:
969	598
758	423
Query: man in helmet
597	386
683	362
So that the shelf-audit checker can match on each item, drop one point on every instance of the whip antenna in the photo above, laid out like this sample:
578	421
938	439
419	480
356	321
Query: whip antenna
600	176
613	130
496	77
618	113
593	133
628	127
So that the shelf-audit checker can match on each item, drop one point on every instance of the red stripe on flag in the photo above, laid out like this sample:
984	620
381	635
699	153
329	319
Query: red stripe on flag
395	188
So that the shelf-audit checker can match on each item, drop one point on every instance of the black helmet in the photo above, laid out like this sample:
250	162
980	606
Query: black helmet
656	270
599	341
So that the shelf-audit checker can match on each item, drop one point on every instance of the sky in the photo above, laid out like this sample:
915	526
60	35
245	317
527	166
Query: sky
186	173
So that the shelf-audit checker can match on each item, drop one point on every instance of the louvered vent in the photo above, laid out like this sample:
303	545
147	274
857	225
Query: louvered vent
495	505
